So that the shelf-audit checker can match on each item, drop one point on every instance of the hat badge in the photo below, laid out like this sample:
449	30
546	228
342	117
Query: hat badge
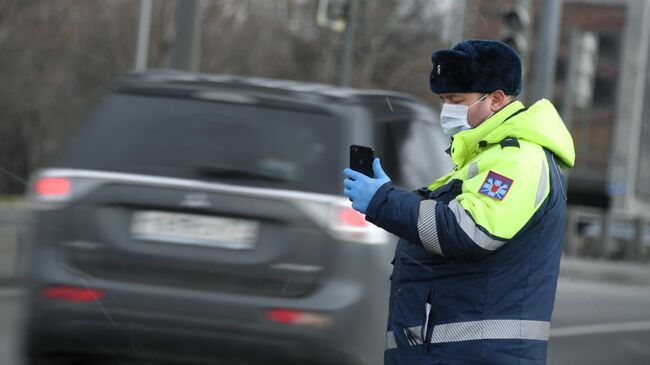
438	69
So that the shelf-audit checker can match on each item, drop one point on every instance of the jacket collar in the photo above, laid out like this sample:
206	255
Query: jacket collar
465	144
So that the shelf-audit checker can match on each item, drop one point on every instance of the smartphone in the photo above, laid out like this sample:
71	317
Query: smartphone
361	158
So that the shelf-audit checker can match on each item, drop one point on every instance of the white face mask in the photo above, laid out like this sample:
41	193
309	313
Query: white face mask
453	117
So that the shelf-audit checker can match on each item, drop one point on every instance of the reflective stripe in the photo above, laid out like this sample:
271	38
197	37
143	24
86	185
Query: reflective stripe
541	186
414	335
472	170
470	228
390	340
498	329
427	226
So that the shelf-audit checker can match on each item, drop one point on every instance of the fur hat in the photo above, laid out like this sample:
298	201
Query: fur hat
476	66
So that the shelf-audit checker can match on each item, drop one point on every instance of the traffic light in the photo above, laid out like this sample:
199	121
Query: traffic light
333	14
515	23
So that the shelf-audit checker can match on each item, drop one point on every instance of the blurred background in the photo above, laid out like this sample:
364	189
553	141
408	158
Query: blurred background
60	59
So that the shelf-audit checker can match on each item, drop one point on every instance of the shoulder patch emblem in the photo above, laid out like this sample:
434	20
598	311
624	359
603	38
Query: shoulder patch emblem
495	186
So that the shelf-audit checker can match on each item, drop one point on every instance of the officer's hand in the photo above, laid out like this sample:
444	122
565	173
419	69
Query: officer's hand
361	188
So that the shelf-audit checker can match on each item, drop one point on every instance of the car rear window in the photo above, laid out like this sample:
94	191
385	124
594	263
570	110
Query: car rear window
243	144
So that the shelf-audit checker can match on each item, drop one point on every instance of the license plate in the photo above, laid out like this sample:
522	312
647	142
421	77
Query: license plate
193	229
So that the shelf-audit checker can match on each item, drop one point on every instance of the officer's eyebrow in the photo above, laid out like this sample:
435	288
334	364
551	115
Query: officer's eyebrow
454	98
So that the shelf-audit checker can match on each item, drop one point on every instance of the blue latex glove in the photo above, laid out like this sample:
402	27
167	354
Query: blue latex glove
361	188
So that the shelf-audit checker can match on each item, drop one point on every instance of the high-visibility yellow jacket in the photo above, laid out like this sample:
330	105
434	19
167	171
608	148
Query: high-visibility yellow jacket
475	270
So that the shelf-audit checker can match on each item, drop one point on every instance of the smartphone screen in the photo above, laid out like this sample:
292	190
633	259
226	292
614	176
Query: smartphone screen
361	158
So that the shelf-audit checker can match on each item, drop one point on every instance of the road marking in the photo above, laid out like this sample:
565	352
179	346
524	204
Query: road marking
596	329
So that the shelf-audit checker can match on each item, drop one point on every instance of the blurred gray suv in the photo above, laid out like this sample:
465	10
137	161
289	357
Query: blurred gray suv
200	219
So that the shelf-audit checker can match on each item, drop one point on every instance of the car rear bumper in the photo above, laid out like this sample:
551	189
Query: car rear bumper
187	326
142	337
138	320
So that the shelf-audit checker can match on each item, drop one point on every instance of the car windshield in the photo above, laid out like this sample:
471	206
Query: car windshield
243	144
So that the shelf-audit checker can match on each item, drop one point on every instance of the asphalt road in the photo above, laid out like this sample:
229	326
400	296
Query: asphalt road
594	323
600	324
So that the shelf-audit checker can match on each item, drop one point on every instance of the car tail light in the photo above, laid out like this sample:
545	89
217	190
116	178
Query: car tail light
351	217
297	317
72	294
349	225
53	188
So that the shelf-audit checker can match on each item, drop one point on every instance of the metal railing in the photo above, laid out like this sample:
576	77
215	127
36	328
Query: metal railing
599	233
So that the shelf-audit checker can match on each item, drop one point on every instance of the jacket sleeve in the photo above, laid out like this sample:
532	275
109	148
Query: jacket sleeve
396	211
495	203
497	200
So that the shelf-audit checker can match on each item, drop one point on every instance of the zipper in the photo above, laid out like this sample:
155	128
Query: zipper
429	322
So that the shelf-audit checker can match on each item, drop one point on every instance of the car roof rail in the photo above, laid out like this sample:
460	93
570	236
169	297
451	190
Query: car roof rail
167	76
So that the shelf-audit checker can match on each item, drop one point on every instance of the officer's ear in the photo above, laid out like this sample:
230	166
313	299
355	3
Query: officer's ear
498	100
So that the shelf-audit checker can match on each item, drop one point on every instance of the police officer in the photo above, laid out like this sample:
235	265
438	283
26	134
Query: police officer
475	269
